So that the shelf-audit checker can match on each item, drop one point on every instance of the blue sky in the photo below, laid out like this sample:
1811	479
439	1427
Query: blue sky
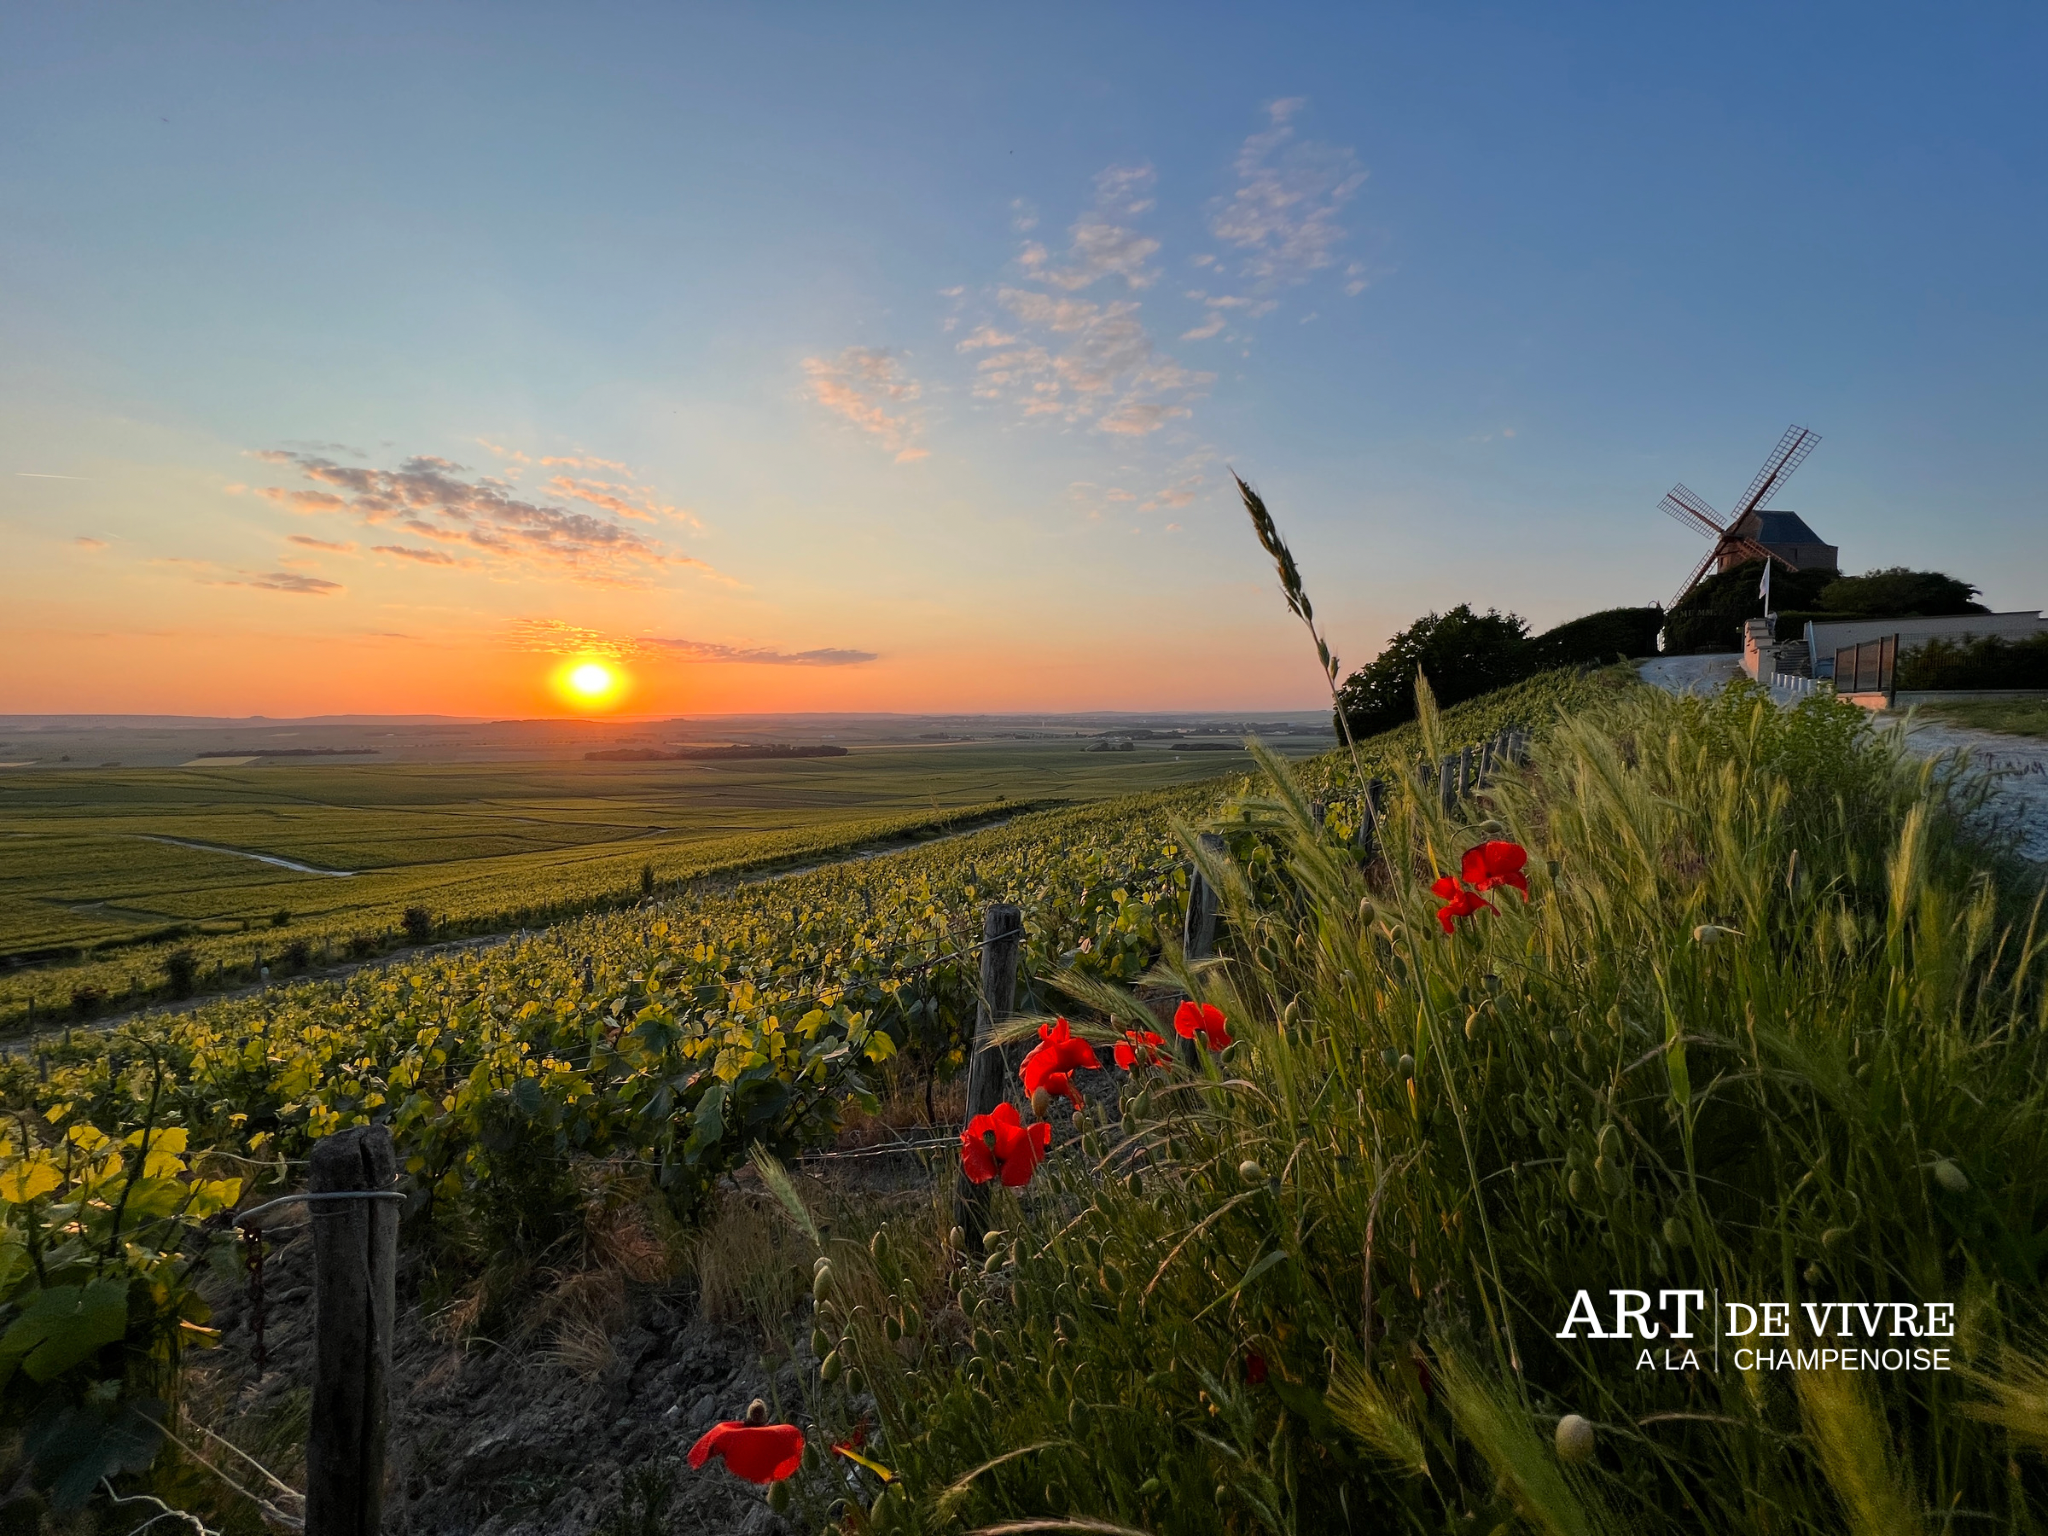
892	356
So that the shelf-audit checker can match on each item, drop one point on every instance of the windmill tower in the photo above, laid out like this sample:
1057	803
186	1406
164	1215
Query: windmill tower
1754	533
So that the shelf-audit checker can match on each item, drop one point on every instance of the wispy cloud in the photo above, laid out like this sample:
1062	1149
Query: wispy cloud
762	655
1078	359
327	544
1103	244
30	474
282	581
421	556
481	519
865	385
556	638
88	542
1283	215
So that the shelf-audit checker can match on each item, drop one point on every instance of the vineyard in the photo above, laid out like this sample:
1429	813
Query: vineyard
663	1042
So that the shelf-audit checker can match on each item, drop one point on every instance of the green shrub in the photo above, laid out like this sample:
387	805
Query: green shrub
1989	662
418	924
1897	591
1462	653
1764	1028
181	971
1597	638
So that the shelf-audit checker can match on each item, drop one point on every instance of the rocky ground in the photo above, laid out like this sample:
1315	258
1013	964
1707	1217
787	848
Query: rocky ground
559	1433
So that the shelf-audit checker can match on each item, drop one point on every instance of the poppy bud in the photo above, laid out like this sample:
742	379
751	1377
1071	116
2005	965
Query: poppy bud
821	1283
757	1413
1472	1025
1077	1416
778	1496
820	1263
878	1247
1610	1139
1406	1065
1834	1237
1251	1172
1574	1439
1365	912
956	1240
892	1328
1112	1279
1675	1234
829	1371
990	1239
911	1320
1713	933
1812	1275
821	1343
855	1381
1950	1177
1577	1186
1492	984
810	1458
1041	1103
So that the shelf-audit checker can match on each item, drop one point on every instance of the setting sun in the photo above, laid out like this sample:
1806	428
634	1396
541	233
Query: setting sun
590	684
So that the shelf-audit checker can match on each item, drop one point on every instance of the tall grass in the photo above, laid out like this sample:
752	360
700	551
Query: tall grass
1765	1028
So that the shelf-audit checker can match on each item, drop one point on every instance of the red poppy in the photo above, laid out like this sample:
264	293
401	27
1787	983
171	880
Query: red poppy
1140	1045
1057	1054
1000	1143
761	1453
1204	1019
1492	864
1061	1086
1255	1369
1462	904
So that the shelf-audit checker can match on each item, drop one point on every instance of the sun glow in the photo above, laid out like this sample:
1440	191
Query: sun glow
588	684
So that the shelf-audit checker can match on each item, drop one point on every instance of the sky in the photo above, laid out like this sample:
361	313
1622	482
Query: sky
361	358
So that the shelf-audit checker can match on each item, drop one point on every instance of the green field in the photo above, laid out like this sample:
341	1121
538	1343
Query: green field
102	869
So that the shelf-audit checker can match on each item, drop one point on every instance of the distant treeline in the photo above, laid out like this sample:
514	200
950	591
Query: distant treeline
772	749
290	752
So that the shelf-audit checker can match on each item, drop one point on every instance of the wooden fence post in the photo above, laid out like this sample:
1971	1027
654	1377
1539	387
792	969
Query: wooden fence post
355	1268
990	1067
1198	932
1367	840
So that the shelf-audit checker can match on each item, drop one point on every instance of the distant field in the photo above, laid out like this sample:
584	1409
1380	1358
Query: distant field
2016	717
103	869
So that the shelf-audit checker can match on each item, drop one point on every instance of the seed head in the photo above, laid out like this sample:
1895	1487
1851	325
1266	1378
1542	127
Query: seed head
1574	1439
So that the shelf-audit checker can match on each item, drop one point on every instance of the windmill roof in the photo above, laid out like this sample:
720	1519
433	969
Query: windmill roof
1782	528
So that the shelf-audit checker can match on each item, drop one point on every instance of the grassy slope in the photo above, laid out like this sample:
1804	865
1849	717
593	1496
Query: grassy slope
2016	717
1324	1296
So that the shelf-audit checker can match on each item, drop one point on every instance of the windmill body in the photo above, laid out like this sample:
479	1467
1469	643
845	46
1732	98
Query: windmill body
1755	532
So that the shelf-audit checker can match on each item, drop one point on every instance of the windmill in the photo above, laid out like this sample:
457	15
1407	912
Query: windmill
1745	536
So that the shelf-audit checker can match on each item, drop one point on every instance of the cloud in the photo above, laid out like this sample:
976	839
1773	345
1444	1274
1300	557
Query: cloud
556	638
423	556
1086	360
30	474
1103	246
1206	329
88	542
480	519
765	656
629	501
313	543
864	384
1283	215
587	463
1100	367
280	581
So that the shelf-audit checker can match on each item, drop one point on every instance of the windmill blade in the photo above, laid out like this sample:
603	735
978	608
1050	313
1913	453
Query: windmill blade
1688	508
1694	579
1790	453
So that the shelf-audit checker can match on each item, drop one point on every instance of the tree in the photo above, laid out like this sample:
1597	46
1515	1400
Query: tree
1462	653
1597	638
1896	592
419	924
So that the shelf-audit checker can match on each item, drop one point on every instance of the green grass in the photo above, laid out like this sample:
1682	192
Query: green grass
2015	717
85	866
1768	1026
